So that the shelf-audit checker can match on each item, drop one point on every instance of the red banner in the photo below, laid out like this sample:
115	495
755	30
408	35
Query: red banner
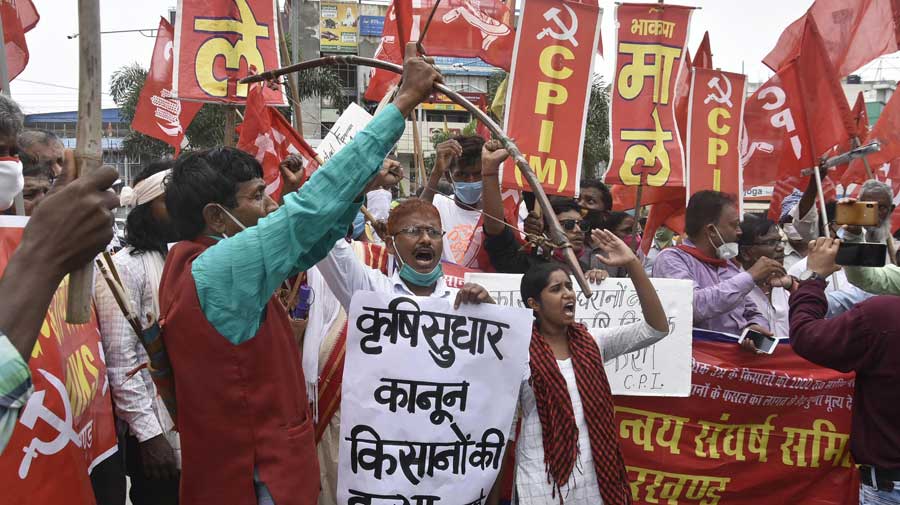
158	114
459	28
714	121
218	42
19	17
756	429
646	144
549	90
66	427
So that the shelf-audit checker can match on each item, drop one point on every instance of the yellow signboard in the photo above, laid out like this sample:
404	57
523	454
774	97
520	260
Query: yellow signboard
338	27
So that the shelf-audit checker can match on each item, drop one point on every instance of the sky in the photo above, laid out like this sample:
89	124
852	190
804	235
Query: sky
741	32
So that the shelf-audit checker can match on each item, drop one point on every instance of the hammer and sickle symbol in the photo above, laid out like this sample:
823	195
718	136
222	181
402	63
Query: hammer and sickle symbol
719	95
567	32
35	410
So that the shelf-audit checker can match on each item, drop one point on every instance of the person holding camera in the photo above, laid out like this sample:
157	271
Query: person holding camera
865	340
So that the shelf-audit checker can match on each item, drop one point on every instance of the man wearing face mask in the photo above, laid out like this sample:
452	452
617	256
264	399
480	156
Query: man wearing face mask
243	413
11	178
459	159
712	226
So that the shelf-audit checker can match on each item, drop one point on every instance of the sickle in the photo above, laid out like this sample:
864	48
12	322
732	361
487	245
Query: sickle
554	228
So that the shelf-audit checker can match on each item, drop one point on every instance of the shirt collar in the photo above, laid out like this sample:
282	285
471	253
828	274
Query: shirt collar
440	289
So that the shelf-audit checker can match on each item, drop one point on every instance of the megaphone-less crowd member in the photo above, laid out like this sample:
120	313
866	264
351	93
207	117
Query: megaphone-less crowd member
568	447
243	414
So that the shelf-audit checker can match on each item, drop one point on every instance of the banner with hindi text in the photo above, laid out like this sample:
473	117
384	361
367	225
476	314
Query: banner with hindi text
549	89
650	48
663	369
715	109
428	398
756	429
219	42
66	427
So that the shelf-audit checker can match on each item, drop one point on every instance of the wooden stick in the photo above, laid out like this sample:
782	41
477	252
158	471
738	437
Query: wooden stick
88	151
417	149
120	296
555	230
419	45
230	123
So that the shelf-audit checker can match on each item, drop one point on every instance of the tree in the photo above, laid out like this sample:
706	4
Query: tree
596	134
205	130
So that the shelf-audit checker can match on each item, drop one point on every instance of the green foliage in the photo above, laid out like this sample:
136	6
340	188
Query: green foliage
596	138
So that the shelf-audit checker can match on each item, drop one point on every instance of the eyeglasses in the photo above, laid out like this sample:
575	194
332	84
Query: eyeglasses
417	231
569	224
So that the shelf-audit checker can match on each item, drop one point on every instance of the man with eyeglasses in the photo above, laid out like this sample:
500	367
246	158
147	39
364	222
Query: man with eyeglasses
721	287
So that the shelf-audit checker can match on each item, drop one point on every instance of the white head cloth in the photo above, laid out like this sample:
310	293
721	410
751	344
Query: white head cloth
145	191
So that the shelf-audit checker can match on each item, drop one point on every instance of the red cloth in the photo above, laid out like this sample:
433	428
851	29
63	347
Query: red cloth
18	18
699	256
558	428
703	58
157	113
855	33
239	406
268	136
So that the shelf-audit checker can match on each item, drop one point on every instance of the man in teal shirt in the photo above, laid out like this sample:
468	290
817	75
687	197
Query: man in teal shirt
242	408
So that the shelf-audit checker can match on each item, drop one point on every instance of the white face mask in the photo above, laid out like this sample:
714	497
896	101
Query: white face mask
238	223
728	250
11	181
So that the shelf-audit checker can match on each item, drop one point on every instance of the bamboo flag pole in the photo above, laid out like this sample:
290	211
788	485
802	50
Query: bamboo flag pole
88	151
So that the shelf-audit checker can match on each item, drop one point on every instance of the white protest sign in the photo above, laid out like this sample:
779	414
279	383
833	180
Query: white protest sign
352	121
663	369
428	399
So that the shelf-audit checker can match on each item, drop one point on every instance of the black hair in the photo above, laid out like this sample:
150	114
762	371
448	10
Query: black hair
471	149
614	219
142	231
831	210
597	219
564	205
204	177
605	193
705	207
536	279
752	227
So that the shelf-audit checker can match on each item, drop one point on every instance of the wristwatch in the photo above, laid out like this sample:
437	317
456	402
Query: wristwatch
810	275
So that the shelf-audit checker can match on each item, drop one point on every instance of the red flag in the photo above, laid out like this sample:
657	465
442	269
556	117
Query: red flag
703	58
787	186
18	18
797	116
855	171
668	212
460	28
887	133
267	135
854	31
158	114
682	95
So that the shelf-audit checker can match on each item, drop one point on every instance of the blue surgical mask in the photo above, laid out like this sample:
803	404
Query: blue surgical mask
413	276
359	225
468	193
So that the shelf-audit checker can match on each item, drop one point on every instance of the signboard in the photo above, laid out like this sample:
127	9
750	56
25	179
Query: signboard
549	90
646	144
371	26
218	42
663	369
338	27
428	398
351	122
715	112
774	426
66	428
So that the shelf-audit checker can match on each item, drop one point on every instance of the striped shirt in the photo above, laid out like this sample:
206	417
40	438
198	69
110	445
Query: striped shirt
15	388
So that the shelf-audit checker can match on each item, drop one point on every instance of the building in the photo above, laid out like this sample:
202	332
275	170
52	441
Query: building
64	125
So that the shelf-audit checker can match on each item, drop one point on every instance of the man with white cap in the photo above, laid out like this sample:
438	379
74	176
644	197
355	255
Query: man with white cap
151	446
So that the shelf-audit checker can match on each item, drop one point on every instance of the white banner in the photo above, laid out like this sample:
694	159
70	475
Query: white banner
428	398
663	369
352	121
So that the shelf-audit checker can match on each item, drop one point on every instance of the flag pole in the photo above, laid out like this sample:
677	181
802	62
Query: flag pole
88	151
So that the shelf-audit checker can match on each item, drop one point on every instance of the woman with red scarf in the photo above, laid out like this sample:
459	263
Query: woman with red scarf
568	449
